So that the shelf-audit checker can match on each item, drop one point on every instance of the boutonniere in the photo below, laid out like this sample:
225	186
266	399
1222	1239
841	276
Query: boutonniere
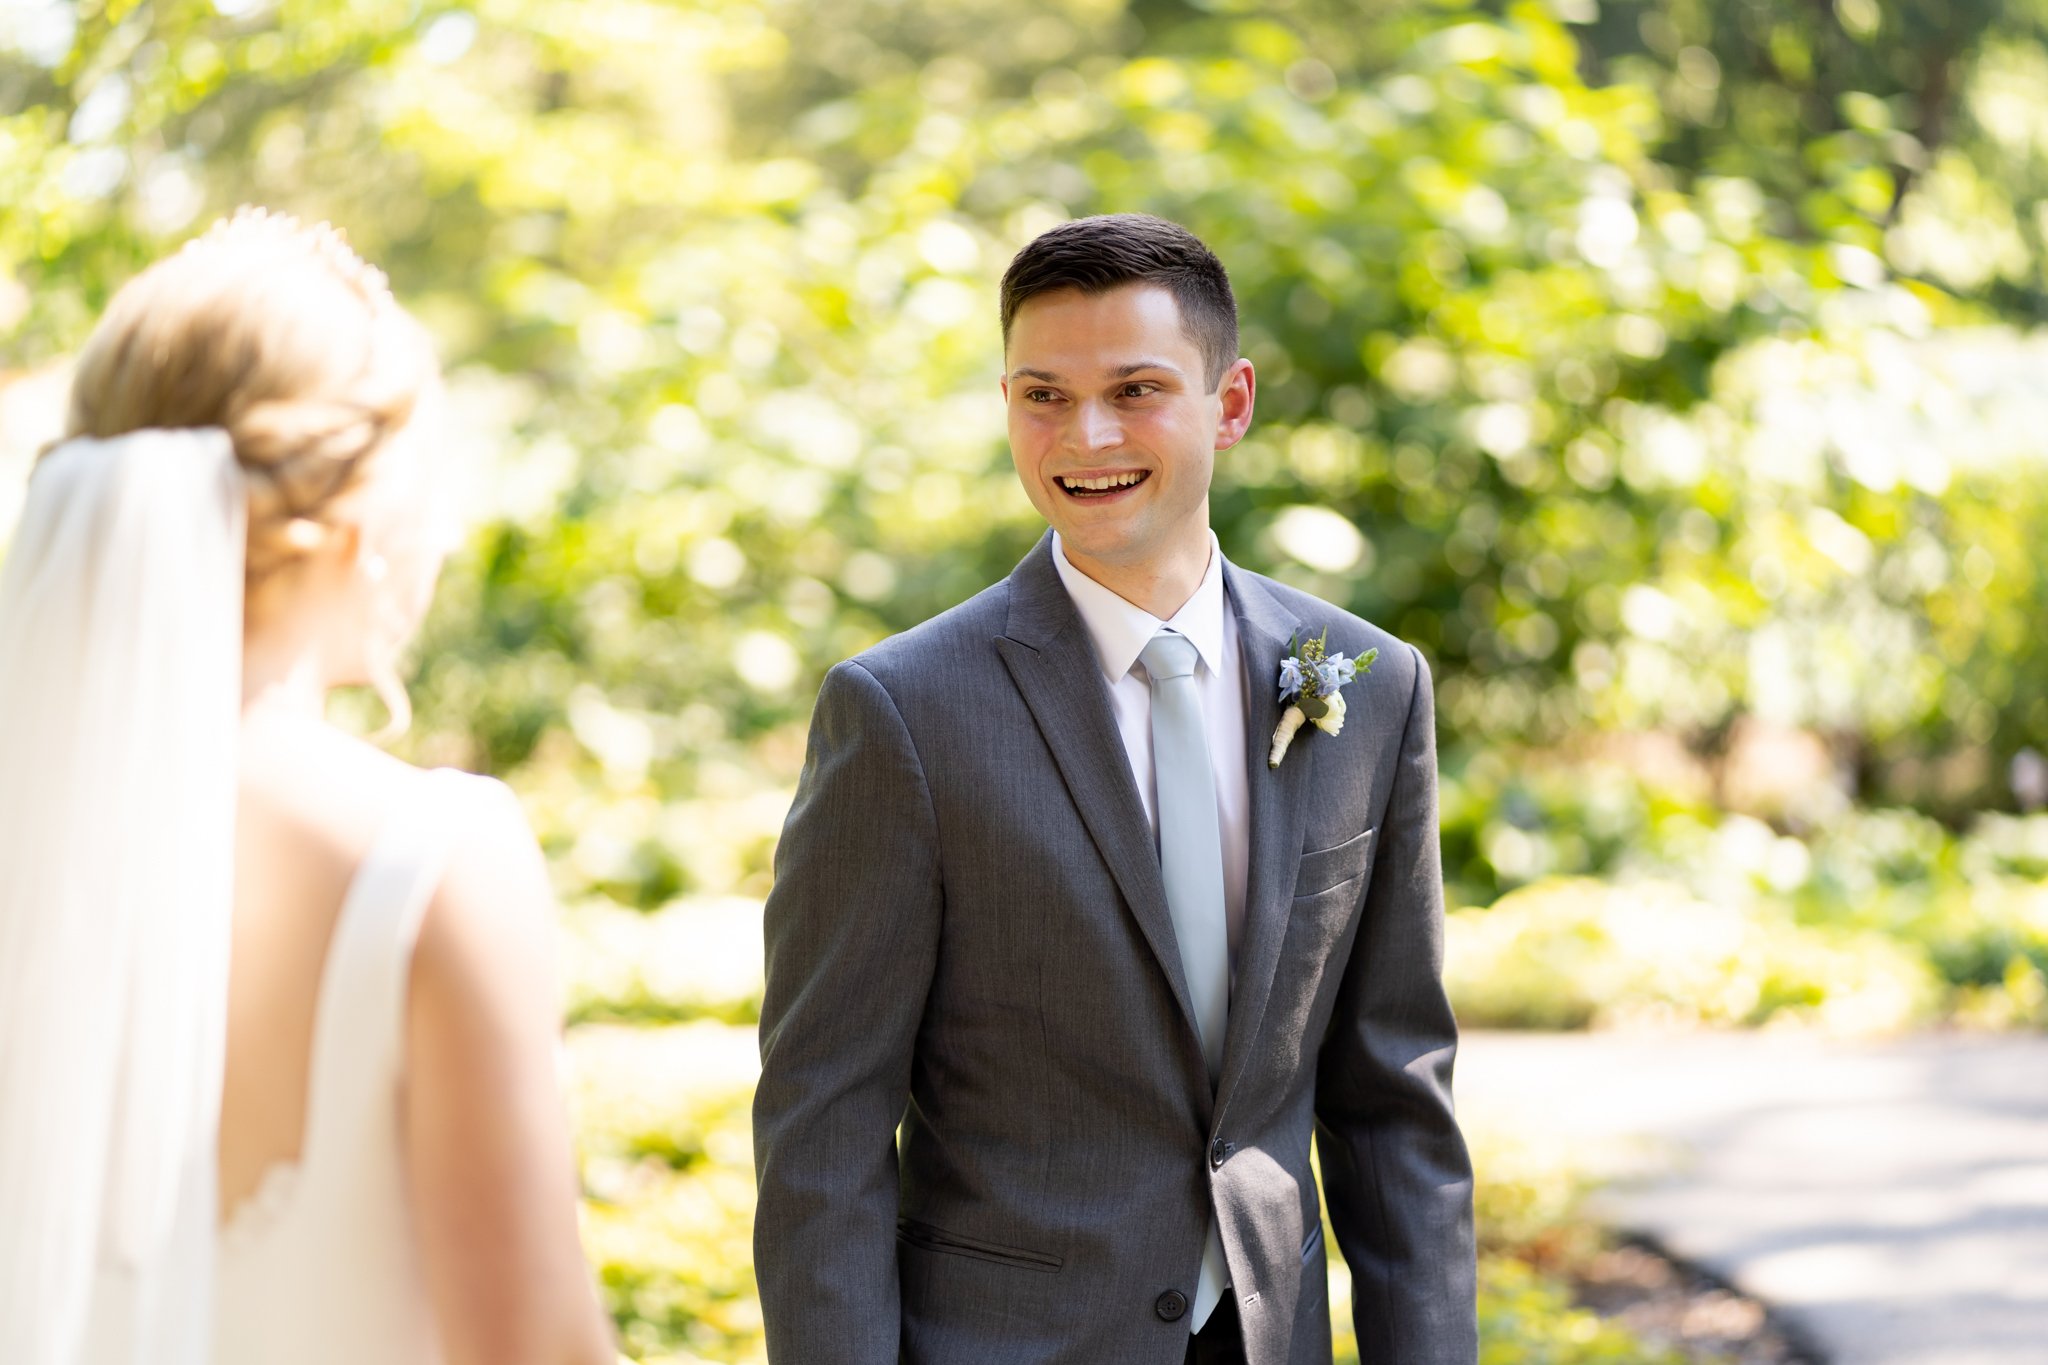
1313	678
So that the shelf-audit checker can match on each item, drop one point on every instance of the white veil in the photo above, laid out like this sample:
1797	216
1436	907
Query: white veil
120	695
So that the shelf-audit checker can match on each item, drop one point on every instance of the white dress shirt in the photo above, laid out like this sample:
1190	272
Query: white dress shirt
1120	630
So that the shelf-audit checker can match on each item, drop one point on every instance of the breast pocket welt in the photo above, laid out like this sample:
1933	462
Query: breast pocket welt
1330	867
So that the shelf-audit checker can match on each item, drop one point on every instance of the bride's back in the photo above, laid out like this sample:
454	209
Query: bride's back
339	851
310	804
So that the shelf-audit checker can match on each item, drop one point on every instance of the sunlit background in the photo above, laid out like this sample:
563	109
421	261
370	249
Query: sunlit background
1665	369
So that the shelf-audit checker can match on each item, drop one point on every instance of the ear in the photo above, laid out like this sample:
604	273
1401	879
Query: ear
1238	390
1003	383
345	543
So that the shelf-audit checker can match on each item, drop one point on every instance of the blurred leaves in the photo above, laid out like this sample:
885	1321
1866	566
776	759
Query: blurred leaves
668	1213
1570	954
1604	350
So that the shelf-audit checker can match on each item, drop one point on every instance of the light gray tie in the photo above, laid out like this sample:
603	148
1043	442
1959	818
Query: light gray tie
1191	864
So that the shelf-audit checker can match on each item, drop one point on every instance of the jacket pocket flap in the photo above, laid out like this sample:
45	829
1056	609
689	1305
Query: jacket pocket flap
929	1238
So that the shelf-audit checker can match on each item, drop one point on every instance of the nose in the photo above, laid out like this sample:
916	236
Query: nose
1099	427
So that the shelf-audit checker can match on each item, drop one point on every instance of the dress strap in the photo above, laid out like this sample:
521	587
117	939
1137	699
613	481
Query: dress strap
359	1020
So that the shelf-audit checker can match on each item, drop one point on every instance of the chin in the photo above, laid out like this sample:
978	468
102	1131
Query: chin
1120	556
1098	543
1132	540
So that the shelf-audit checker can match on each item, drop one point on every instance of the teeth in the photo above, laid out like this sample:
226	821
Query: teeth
1107	481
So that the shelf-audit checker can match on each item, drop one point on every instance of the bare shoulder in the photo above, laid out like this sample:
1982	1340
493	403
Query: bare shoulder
311	801
495	871
320	787
486	946
316	798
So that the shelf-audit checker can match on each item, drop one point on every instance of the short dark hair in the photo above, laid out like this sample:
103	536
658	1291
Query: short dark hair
1096	255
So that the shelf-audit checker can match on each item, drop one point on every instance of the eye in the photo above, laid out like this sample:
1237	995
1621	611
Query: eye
1140	389
1039	395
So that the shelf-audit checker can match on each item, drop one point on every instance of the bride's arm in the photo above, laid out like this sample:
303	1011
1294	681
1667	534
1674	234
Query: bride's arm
492	1172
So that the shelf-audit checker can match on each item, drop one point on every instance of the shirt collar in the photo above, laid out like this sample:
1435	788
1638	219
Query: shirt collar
1121	629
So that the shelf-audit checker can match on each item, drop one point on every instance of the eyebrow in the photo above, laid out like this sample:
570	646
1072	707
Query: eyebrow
1120	372
1136	366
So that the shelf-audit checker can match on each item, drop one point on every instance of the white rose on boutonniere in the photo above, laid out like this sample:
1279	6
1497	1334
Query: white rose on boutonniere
1313	678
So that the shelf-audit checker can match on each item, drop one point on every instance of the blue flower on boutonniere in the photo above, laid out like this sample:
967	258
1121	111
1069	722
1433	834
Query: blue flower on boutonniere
1314	678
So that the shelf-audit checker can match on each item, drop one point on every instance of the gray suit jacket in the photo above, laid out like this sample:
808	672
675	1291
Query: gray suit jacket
984	1132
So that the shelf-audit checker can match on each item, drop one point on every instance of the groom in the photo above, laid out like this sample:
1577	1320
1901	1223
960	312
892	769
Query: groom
1062	974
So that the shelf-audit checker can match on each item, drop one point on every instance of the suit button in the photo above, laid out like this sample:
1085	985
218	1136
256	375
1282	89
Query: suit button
1218	1150
1172	1304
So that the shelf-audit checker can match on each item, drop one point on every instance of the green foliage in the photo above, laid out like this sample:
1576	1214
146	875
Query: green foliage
1625	902
1540	334
695	959
667	1161
1857	120
667	1167
1531	1321
1569	954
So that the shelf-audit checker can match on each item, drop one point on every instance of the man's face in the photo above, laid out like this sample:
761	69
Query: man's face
1113	426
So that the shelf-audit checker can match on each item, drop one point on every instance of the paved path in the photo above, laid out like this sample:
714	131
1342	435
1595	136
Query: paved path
1889	1199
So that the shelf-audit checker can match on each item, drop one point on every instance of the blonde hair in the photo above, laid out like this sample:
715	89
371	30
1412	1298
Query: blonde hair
278	333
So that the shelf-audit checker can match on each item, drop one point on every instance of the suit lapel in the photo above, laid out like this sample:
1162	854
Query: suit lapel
1049	655
1279	812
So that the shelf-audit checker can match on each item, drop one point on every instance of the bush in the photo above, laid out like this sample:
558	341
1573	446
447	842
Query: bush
1579	953
1526	1318
666	1154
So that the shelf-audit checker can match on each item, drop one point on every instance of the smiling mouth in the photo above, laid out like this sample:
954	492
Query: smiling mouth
1102	486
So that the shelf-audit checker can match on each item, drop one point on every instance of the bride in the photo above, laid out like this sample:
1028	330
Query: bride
277	1032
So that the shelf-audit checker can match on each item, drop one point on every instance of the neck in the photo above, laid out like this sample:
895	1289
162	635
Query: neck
283	677
1161	585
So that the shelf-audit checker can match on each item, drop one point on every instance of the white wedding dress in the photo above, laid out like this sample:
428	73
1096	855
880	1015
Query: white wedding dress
121	638
319	1266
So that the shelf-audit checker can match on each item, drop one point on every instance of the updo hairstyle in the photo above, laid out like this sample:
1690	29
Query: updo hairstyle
280	334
